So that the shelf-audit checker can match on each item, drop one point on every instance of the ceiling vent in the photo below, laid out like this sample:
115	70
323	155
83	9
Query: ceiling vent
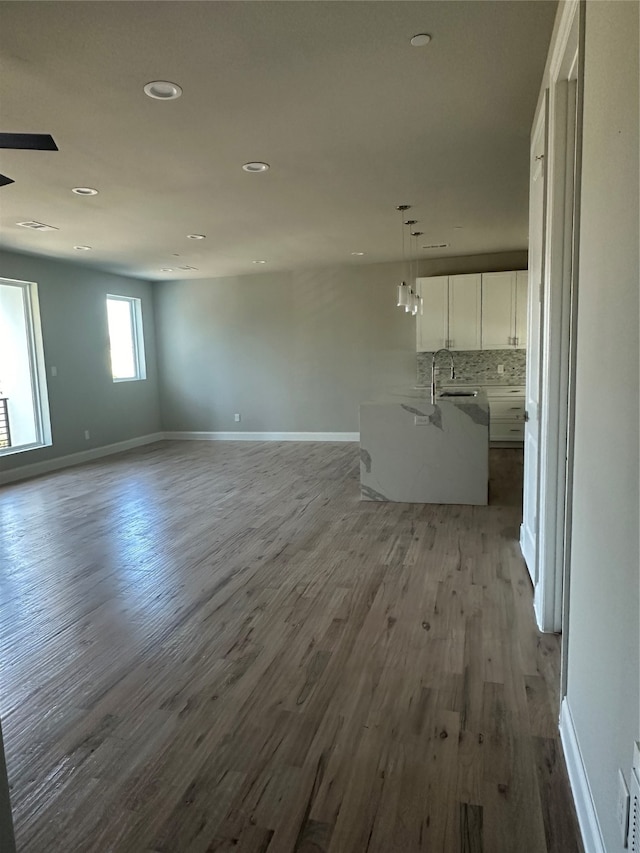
436	246
37	226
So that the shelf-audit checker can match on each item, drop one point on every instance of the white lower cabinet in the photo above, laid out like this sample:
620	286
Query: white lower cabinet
506	412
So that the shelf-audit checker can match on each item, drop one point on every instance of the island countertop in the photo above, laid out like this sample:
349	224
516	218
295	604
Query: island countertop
414	451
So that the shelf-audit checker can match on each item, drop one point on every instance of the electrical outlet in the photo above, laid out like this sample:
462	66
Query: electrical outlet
87	435
54	371
622	808
501	369
236	417
421	420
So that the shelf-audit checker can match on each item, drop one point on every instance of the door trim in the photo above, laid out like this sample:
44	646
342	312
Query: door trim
558	351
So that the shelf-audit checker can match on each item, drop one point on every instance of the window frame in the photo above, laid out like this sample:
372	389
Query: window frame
137	334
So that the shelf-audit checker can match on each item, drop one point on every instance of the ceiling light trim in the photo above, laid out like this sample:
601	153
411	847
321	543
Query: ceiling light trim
255	167
162	90
421	40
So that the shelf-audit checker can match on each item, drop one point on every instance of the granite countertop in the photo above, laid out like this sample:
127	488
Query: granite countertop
419	394
467	383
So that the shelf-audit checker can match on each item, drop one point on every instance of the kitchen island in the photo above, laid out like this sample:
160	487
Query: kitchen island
416	452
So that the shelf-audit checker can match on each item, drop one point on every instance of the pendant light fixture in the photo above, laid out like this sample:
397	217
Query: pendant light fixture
411	308
404	291
416	296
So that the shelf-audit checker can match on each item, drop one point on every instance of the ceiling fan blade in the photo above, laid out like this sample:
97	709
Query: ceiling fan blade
30	141
4	180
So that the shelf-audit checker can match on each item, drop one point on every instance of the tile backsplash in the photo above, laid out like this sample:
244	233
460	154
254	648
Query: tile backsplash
477	366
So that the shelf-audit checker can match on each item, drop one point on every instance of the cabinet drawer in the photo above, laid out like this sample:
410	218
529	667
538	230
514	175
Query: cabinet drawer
506	431
502	409
504	391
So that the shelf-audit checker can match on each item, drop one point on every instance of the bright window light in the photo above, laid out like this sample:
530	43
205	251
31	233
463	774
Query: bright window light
124	315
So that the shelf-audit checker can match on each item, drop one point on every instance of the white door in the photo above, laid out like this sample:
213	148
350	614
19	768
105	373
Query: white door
432	326
498	310
464	311
522	308
537	196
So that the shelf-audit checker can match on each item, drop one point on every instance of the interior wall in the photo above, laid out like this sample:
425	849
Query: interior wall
75	339
290	351
603	651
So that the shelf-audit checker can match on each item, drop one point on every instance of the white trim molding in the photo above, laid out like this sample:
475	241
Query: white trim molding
68	461
582	797
262	436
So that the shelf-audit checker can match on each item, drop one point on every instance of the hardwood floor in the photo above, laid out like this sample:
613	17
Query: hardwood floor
216	647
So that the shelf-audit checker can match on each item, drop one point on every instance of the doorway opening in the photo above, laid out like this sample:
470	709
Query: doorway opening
24	405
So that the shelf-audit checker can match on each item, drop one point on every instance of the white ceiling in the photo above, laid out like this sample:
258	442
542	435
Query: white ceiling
351	118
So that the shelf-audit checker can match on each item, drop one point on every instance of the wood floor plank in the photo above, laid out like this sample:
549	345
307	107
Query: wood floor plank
210	647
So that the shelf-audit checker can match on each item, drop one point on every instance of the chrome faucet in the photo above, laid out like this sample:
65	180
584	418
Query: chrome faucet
433	372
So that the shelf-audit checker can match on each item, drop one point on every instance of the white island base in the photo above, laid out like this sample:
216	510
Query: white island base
412	451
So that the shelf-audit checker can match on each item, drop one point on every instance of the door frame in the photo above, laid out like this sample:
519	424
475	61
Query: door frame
529	544
559	305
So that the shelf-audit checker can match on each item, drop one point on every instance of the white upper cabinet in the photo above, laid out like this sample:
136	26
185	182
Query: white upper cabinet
465	304
498	310
432	325
473	311
522	288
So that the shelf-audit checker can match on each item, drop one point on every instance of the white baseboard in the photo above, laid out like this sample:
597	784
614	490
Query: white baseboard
37	468
262	436
587	817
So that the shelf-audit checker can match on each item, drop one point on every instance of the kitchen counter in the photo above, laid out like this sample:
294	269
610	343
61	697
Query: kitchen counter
412	451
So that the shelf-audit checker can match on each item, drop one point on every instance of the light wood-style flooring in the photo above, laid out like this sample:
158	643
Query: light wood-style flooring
219	647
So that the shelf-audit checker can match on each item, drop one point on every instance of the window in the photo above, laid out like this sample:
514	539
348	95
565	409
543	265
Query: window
24	405
124	315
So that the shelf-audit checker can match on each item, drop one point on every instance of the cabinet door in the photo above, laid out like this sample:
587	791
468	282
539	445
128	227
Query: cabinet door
465	311
432	324
498	310
522	288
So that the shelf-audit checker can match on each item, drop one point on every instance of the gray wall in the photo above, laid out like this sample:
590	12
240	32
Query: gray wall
603	650
74	329
291	351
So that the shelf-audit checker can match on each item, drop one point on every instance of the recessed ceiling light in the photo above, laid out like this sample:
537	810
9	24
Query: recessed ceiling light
258	262
162	90
359	254
255	167
166	269
196	236
84	191
83	248
421	39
